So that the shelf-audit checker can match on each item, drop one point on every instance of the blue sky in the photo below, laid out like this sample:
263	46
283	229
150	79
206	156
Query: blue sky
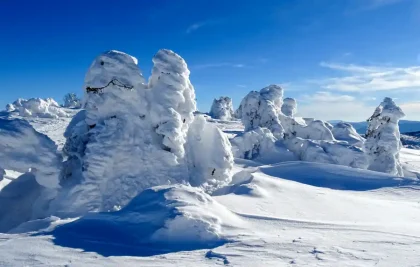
338	58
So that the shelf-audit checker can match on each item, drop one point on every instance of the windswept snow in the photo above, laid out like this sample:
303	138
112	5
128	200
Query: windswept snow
149	181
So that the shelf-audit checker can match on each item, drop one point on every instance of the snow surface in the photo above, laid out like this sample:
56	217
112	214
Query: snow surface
147	183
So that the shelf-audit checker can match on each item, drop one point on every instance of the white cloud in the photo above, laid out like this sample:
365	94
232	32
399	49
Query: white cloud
327	97
241	85
347	111
411	110
198	25
218	65
360	78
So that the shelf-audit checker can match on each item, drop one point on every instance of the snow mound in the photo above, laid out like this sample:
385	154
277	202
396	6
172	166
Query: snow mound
209	155
333	176
72	101
222	108
23	149
383	142
164	218
344	131
37	107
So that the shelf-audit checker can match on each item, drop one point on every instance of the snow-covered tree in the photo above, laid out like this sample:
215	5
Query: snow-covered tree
172	100
222	108
383	143
344	131
72	101
289	107
262	109
209	155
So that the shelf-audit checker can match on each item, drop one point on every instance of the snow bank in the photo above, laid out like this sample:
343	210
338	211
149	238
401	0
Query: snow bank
383	142
169	218
23	149
222	108
209	155
289	107
344	131
37	107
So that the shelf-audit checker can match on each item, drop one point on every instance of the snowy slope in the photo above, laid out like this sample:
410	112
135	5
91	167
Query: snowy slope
285	214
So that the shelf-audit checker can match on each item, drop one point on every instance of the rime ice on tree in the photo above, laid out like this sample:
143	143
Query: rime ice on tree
289	107
383	138
222	108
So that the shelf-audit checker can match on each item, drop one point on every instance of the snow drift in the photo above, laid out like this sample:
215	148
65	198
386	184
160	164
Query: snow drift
37	107
164	218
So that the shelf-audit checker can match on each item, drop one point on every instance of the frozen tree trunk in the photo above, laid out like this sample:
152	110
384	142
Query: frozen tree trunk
222	108
383	143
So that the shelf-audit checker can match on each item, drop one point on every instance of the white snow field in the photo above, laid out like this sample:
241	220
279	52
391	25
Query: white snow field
144	182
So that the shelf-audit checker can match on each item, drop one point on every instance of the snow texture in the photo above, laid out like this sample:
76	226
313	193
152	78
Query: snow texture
23	149
172	100
167	218
261	109
222	108
344	131
37	107
383	142
209	155
289	107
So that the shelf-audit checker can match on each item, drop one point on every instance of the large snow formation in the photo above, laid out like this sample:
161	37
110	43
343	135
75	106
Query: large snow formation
289	107
383	142
133	136
261	109
37	107
282	134
222	108
209	155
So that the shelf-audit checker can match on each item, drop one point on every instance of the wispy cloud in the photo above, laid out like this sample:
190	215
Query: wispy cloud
241	86
359	78
219	65
198	25
374	4
322	96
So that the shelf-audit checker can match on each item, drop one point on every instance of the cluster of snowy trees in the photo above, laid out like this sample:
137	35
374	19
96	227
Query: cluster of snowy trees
273	133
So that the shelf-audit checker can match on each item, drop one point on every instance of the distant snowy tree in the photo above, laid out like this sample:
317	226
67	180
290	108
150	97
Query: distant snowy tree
72	101
383	138
222	108
209	155
262	109
37	107
289	107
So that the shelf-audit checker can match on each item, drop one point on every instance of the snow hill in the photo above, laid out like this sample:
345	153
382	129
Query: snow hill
140	178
